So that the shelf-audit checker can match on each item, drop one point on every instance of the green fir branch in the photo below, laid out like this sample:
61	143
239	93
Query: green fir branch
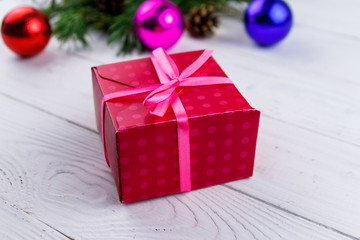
121	30
72	19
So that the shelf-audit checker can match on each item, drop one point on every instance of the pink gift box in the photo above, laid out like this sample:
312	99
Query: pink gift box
142	149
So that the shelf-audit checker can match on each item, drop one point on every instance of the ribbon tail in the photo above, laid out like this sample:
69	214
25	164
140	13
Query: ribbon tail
183	144
162	107
196	64
203	81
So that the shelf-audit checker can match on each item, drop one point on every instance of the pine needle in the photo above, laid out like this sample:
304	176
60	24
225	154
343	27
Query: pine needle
72	20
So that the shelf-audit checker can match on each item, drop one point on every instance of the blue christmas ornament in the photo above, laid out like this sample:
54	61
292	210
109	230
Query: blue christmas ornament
268	21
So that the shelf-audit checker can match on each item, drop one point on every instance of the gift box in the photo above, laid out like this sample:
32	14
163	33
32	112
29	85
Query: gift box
172	123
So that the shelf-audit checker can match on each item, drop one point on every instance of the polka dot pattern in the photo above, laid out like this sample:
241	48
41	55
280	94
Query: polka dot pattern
142	142
160	139
119	105
189	108
223	131
160	168
115	77
242	167
244	154
245	140
133	107
226	169
144	185
160	154
212	129
229	127
206	105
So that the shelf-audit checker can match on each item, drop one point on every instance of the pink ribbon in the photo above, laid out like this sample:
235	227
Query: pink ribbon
164	95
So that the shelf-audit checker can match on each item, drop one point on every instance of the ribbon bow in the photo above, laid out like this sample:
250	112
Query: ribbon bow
164	95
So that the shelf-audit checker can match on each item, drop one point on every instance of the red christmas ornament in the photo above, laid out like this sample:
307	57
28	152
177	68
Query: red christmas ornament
26	31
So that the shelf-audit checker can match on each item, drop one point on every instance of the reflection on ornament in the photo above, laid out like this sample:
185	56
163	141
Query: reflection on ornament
158	23
26	31
268	21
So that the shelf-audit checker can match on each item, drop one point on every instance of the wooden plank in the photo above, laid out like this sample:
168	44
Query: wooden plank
308	84
18	224
300	81
331	16
54	82
316	91
55	171
308	174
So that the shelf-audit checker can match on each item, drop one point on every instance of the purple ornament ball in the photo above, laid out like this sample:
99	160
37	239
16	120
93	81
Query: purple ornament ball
158	23
268	21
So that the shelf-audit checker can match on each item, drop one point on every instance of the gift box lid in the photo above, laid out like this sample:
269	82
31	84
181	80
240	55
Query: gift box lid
198	101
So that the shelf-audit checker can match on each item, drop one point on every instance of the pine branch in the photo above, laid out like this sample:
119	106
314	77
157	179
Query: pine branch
121	30
73	24
72	19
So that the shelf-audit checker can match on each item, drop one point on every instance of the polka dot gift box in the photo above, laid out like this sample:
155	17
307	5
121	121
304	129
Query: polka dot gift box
172	123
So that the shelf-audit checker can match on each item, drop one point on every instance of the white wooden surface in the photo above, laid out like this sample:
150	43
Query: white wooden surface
54	182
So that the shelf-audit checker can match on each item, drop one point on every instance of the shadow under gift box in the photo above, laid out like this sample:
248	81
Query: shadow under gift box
143	149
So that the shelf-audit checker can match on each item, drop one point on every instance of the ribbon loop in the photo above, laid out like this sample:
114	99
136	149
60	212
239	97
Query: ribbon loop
164	95
166	63
161	93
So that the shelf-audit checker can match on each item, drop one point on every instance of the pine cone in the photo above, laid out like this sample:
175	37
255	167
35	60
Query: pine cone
201	20
113	7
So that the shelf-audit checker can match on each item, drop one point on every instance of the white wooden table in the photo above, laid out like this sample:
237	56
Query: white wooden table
55	184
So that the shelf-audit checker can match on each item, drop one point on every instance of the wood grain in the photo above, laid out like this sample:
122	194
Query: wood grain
56	173
315	113
306	173
286	76
18	224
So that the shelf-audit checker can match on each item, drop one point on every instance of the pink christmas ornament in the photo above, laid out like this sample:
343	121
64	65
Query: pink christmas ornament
158	23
